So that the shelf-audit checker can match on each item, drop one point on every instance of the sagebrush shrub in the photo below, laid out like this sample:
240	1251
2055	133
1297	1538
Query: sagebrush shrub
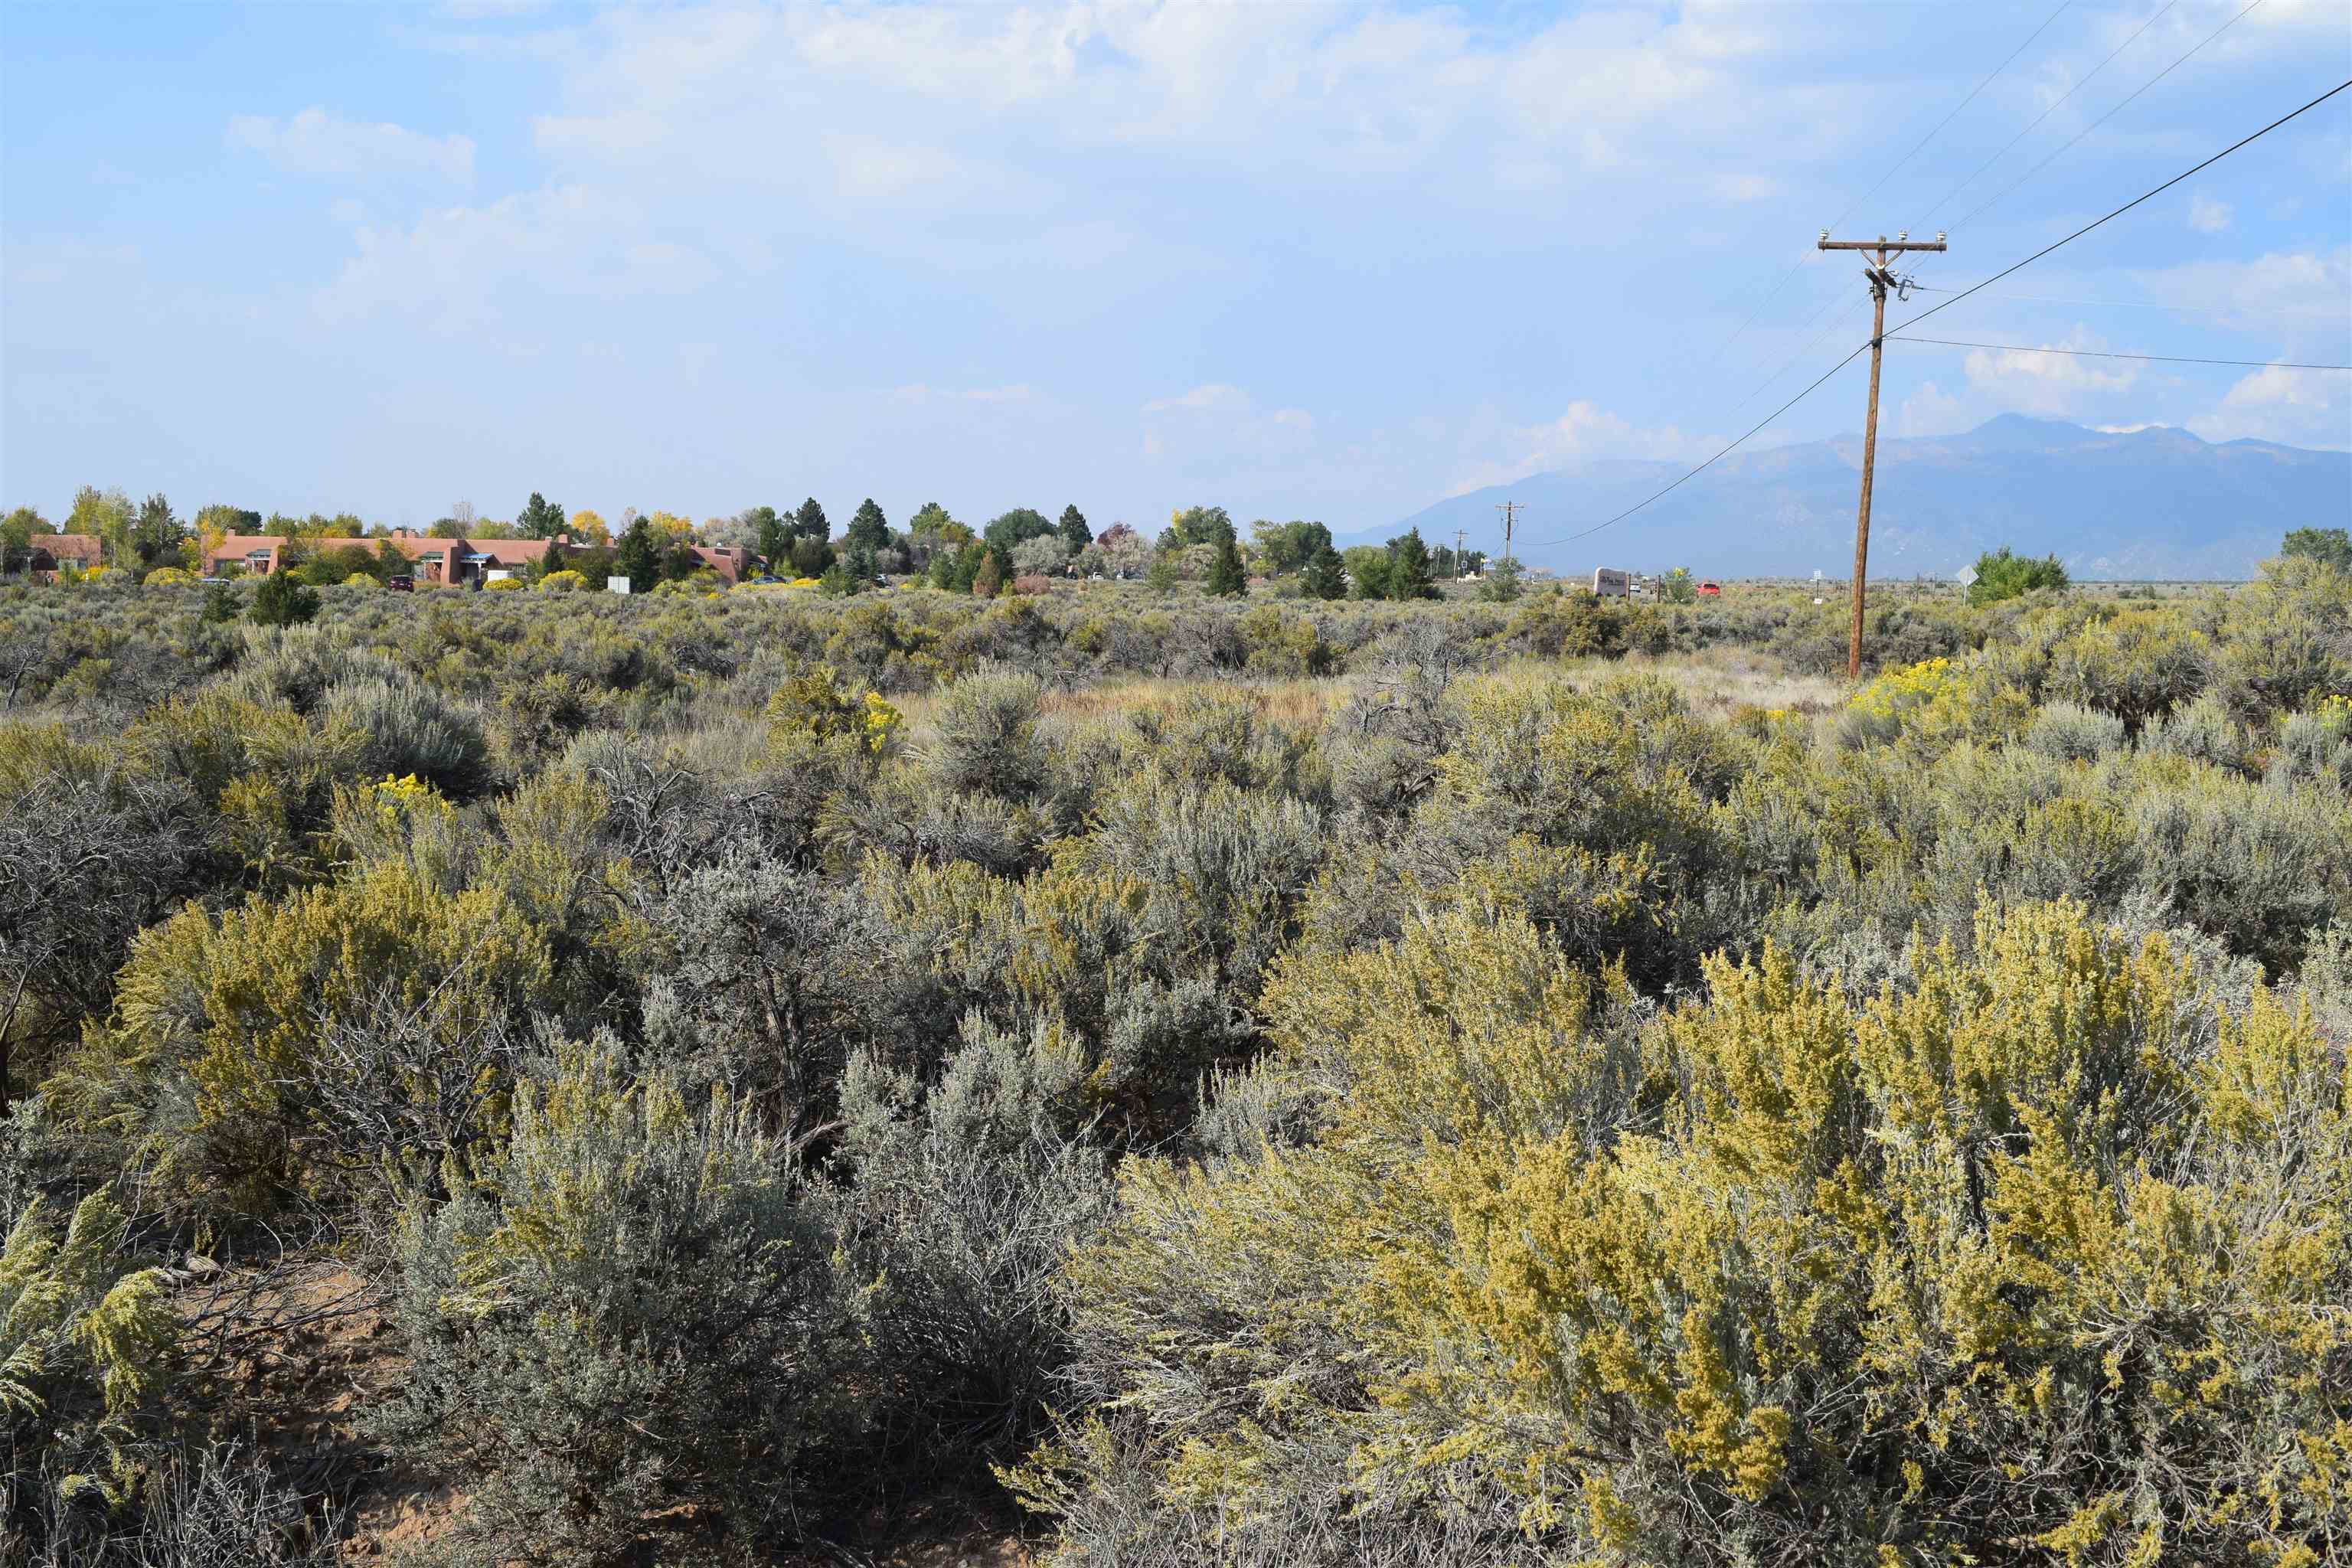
2066	732
627	1307
1808	1277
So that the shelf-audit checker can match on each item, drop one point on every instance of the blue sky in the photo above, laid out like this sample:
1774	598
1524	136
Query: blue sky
1297	260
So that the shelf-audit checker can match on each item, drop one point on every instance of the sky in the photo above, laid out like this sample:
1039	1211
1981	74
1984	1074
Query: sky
1299	260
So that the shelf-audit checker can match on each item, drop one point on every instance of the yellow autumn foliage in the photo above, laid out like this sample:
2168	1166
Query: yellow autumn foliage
1934	1273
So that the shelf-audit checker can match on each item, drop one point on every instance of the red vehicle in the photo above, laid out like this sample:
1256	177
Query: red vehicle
1707	590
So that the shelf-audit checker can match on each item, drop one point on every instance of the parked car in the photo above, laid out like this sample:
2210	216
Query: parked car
401	585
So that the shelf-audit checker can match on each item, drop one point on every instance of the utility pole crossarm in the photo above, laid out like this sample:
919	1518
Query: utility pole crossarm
1889	245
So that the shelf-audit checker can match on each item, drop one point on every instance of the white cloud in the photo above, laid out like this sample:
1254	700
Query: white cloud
1932	411
1585	433
317	143
2057	385
2310	288
2298	408
2207	215
1219	424
449	268
1212	395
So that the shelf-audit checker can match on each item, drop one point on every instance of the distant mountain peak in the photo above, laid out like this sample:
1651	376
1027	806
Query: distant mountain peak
2151	500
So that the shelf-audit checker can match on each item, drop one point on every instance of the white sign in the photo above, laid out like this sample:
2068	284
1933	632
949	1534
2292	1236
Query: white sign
616	585
1966	574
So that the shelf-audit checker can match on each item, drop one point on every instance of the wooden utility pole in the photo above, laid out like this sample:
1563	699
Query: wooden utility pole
1881	279
1510	510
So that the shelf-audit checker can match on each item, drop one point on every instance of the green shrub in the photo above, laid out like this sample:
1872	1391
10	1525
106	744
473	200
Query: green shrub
2067	733
2203	732
987	736
1797	1278
412	728
2317	745
85	1339
290	1047
2002	575
624	1311
2254	865
965	1201
282	600
2139	664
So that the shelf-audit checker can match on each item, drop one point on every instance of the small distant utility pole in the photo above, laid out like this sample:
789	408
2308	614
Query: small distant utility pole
1881	281
1459	569
1510	510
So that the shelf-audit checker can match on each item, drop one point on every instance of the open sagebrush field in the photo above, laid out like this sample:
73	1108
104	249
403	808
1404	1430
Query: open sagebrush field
1112	1079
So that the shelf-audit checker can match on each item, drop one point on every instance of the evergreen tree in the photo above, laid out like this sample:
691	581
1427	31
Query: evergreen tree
1162	578
774	534
809	523
539	519
156	535
1075	534
1368	572
1500	584
810	557
1324	576
1227	579
1409	577
638	559
283	600
868	530
989	581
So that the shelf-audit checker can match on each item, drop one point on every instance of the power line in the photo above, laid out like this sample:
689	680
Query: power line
1807	351
2103	118
2045	114
1854	352
2149	305
1949	118
2127	206
2103	353
1773	292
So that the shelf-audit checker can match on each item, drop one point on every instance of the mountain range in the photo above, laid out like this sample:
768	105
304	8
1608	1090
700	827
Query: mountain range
2156	503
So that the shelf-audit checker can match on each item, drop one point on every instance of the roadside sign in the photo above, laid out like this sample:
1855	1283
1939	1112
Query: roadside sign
1966	574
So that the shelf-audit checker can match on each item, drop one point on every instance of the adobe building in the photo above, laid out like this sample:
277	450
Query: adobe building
47	554
459	563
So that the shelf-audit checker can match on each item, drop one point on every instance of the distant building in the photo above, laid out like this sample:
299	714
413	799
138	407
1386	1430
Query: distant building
449	562
48	555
